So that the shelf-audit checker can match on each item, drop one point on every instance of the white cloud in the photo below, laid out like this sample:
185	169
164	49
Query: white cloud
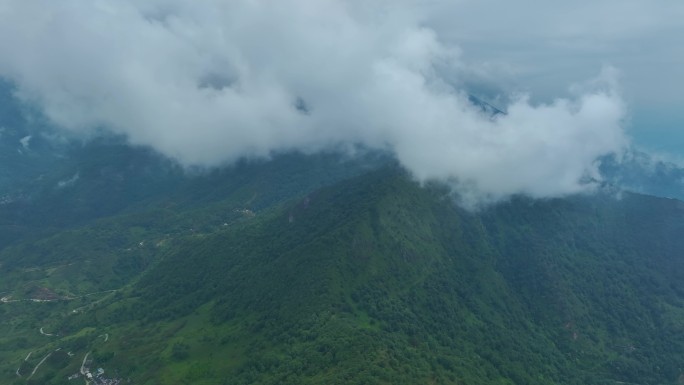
210	82
68	182
25	142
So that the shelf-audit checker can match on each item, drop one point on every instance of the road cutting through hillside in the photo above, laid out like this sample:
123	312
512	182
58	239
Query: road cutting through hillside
40	363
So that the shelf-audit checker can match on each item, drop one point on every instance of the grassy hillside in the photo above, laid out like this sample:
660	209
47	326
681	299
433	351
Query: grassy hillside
373	280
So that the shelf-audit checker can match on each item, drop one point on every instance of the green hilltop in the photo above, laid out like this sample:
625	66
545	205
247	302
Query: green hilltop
349	276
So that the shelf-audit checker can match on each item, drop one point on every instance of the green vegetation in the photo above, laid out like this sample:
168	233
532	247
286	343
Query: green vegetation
372	280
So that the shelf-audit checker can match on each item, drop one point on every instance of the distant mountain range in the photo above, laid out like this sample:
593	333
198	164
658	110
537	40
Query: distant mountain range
639	172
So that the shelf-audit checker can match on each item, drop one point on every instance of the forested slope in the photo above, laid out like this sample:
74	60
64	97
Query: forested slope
377	280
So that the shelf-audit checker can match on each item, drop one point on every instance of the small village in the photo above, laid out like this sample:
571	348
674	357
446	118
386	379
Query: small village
96	378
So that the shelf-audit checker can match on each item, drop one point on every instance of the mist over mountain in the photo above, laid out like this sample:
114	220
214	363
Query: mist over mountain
213	83
331	268
340	192
640	172
27	147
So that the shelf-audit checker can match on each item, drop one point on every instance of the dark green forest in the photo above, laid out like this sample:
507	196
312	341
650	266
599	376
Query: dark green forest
283	272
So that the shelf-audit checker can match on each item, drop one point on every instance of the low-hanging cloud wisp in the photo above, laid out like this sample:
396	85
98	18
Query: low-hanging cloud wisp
211	82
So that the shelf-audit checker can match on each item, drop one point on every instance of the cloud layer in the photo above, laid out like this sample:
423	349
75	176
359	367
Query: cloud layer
213	81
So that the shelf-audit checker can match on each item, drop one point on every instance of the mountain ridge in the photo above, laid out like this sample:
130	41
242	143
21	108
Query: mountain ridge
401	266
371	278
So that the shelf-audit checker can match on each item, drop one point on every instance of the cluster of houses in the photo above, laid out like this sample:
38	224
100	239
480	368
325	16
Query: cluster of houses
96	378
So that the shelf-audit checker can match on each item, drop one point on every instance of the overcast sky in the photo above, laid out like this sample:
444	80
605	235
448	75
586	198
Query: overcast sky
208	82
542	46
